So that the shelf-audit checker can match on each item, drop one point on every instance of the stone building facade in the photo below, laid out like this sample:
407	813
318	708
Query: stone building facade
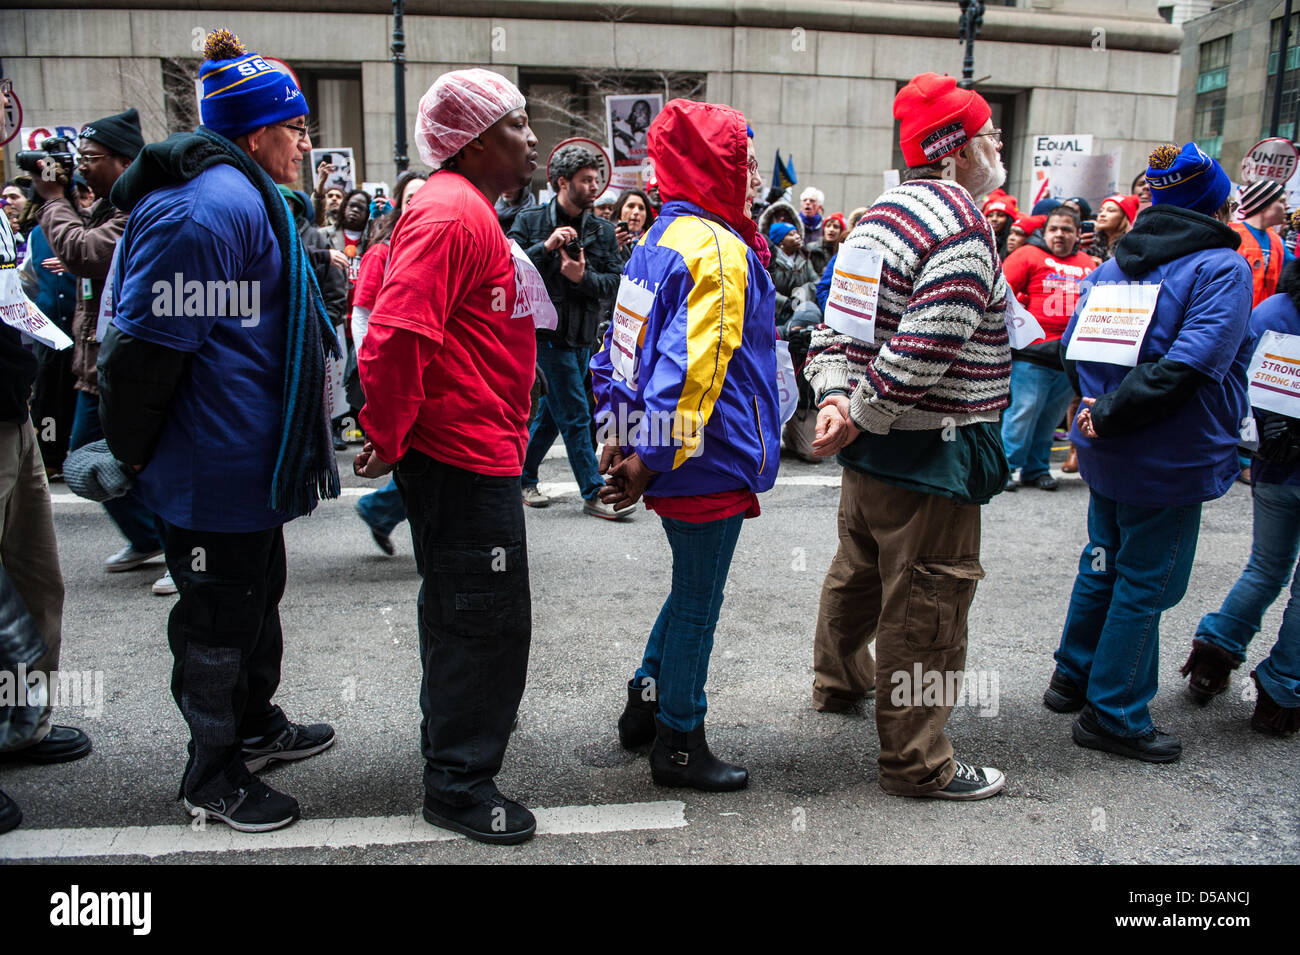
816	78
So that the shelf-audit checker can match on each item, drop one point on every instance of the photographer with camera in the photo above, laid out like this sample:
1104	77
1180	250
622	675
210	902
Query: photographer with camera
84	241
577	254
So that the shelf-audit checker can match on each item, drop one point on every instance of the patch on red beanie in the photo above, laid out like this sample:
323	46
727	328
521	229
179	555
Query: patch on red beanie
936	116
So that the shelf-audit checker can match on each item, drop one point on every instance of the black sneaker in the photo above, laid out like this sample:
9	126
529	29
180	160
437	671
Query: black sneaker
1011	485
1044	482
295	742
495	819
1063	695
970	782
1155	747
10	815
254	808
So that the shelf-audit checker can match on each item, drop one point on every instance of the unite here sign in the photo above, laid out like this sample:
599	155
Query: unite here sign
1274	159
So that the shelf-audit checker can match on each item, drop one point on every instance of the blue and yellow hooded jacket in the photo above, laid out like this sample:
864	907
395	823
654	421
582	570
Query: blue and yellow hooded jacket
701	405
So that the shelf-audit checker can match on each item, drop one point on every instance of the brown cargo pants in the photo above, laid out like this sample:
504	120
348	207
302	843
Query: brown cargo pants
28	550
904	576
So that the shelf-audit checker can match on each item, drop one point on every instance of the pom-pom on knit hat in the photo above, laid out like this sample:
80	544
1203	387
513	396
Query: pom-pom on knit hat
1188	178
241	91
936	117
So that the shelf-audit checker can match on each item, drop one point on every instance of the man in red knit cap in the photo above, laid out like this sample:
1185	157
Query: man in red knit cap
911	382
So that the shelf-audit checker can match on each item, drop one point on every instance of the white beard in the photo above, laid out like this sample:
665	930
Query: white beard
986	176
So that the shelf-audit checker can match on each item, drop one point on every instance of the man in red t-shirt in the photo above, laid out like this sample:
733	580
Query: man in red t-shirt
447	366
1044	275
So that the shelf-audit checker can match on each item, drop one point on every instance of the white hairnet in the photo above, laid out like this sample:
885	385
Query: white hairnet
458	107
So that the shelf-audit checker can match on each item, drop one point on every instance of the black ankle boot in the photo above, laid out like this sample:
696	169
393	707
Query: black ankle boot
683	759
1209	668
636	727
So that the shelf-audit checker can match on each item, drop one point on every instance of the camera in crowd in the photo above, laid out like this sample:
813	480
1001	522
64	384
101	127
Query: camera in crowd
56	149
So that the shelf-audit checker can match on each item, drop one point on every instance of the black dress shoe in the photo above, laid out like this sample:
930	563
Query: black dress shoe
384	542
1063	695
1155	747
493	819
683	759
62	744
636	727
1044	482
10	815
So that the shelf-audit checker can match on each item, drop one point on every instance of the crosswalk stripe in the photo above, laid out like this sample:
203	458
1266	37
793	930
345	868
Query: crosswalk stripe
358	831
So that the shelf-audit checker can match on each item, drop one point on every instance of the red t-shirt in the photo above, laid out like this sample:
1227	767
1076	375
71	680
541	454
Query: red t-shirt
703	508
371	276
1046	285
446	368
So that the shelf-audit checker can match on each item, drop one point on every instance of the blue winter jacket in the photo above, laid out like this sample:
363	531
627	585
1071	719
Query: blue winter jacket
701	404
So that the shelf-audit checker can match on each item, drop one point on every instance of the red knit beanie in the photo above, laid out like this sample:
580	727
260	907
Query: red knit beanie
1127	204
936	117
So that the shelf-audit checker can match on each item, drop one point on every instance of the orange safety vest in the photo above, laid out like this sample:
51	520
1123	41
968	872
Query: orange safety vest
1264	275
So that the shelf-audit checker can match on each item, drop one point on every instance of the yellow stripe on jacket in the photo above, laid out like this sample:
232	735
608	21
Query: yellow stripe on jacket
715	320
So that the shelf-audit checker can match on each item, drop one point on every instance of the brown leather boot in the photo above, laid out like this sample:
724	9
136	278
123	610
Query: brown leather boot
1271	718
1210	669
1071	465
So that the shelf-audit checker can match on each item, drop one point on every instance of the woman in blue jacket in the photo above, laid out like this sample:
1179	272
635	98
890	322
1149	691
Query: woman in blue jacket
687	410
1222	637
1162	374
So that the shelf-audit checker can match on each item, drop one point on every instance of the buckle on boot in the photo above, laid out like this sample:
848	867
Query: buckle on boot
679	757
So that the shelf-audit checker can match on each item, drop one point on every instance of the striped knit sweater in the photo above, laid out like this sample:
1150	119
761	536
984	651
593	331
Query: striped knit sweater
941	355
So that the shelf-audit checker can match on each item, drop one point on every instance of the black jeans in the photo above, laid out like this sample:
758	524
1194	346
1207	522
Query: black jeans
226	645
475	619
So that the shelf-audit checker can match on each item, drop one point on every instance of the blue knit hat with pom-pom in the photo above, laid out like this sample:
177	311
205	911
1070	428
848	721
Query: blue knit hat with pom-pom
1188	178
241	91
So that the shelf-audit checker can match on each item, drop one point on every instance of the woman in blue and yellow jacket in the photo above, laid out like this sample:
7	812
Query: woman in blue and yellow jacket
688	413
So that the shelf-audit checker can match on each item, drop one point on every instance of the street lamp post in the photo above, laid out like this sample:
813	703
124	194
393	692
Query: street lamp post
399	89
1283	43
972	15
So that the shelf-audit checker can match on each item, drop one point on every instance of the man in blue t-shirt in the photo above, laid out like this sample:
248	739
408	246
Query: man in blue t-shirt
1158	348
212	388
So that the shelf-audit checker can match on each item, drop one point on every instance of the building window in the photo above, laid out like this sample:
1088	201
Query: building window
1211	95
1290	79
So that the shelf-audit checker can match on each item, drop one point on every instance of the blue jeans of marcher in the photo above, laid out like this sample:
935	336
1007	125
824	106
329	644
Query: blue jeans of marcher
383	509
1272	561
563	411
1040	396
1135	566
677	653
139	525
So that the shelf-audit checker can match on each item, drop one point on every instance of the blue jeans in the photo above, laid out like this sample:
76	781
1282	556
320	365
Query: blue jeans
1135	566
563	411
139	525
677	653
1040	397
383	509
1272	561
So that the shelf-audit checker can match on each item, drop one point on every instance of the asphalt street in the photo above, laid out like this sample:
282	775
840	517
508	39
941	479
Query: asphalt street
350	659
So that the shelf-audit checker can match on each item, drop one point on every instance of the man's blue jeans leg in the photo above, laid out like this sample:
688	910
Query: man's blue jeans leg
383	509
677	653
1040	396
139	525
1272	561
1135	566
563	411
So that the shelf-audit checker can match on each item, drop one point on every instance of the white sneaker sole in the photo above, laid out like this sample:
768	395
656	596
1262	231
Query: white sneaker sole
992	789
287	756
271	826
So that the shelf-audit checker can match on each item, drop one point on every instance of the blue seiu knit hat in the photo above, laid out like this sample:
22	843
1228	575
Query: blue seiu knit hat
241	91
1188	178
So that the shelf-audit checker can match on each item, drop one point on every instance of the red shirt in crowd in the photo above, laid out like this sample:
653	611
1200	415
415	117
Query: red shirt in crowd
1046	285
446	368
371	276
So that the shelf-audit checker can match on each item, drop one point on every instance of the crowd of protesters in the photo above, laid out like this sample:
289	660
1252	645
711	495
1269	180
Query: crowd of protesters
467	326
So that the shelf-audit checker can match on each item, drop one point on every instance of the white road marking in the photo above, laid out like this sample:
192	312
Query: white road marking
549	488
360	831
